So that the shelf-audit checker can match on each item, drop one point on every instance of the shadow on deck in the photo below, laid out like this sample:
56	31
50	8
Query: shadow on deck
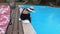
15	28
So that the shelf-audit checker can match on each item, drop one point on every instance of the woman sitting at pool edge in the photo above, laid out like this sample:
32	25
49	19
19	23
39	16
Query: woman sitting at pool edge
25	15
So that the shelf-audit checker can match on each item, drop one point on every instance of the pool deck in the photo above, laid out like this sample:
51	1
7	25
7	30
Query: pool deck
15	29
28	29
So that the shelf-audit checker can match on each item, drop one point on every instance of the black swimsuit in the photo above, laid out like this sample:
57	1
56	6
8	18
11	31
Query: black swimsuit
25	16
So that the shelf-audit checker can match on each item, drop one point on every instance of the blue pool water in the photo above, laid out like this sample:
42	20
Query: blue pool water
46	20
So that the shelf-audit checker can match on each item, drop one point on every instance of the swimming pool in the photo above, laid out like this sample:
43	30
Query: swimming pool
46	20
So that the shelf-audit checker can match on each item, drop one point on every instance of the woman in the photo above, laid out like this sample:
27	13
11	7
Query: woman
25	15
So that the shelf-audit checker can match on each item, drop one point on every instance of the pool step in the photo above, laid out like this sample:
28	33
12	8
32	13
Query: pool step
28	29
